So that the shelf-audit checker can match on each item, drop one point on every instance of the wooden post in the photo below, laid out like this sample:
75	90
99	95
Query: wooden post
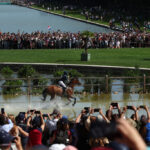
106	79
144	83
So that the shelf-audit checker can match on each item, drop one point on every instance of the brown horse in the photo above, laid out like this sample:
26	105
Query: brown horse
53	90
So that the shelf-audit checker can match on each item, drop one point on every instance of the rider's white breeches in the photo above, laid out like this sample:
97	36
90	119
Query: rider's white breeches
62	84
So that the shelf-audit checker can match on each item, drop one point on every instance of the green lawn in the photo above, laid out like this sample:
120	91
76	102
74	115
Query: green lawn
114	57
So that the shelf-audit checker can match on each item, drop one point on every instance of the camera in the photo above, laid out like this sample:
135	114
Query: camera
129	107
96	110
37	112
86	109
2	111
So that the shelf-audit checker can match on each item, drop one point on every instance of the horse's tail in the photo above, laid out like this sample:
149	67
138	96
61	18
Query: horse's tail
44	94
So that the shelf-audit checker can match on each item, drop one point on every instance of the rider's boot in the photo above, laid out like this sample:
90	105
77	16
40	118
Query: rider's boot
64	89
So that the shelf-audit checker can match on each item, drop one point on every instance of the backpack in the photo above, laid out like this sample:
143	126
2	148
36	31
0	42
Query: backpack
62	137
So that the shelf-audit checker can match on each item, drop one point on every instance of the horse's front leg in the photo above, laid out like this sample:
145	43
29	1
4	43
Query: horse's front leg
69	99
74	100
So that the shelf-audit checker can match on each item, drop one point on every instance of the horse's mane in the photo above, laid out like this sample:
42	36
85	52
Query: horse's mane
72	80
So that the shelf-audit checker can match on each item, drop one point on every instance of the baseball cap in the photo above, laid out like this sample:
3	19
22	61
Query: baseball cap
5	138
21	116
64	117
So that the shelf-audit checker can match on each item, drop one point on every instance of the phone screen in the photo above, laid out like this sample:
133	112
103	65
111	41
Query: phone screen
2	110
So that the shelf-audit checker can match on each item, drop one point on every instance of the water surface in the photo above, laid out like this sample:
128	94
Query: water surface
14	18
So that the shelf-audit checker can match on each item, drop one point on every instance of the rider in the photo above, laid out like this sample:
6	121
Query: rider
63	80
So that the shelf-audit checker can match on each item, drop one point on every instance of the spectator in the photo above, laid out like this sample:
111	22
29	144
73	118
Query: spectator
35	131
5	123
62	134
51	125
111	132
6	141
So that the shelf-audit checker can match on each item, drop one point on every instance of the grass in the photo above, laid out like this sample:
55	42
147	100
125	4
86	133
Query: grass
71	14
115	57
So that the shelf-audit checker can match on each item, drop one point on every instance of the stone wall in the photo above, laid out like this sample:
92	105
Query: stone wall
85	69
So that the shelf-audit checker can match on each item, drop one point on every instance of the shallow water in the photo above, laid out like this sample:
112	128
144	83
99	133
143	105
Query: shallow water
22	103
94	99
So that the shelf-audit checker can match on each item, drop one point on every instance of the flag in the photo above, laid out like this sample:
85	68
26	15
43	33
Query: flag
49	27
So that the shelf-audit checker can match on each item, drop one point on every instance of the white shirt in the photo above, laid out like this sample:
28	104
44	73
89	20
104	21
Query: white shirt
7	127
51	125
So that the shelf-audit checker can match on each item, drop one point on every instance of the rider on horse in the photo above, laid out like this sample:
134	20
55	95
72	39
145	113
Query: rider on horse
63	80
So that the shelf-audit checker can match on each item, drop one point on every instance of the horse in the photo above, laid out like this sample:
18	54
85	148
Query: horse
53	90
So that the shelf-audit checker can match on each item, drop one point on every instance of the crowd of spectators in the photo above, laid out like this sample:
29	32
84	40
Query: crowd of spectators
60	40
91	130
131	13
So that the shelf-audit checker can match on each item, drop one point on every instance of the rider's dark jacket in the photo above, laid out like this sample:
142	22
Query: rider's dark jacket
64	78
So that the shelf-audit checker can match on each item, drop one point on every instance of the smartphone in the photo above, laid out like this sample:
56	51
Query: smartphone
2	111
45	115
21	112
32	110
37	112
86	108
129	107
96	110
13	140
141	106
114	104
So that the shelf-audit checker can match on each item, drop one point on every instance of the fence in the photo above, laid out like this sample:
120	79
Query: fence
89	83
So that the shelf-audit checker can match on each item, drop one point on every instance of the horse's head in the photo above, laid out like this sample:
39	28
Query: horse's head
75	81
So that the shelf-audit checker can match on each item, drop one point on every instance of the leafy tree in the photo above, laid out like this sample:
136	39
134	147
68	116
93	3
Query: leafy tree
26	71
72	73
6	72
12	86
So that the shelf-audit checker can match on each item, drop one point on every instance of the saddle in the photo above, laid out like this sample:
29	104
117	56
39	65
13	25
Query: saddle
64	89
